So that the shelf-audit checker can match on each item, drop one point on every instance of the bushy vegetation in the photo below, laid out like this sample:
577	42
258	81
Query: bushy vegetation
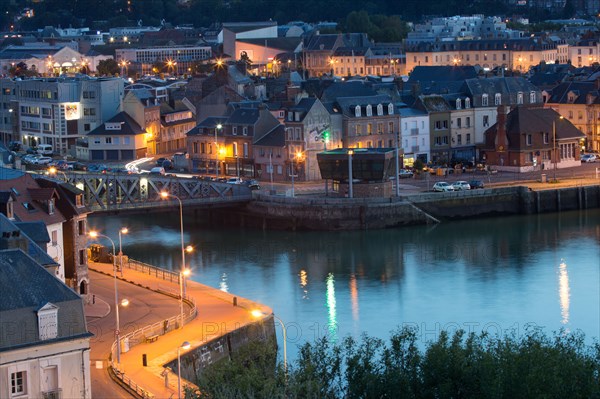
456	365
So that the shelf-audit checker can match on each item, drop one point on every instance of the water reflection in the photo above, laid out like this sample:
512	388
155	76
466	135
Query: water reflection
331	307
470	274
564	291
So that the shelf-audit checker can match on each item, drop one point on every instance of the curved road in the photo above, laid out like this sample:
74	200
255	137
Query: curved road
145	307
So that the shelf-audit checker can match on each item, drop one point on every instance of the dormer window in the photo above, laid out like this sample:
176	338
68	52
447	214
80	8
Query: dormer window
10	210
51	206
458	103
498	99
379	109
48	321
484	100
467	102
245	130
532	97
390	109
520	97
369	110
234	130
79	200
357	111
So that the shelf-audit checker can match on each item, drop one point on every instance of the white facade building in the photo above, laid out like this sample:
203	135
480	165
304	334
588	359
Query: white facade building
414	135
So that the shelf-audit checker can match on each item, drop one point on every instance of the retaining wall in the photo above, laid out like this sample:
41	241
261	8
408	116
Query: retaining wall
269	212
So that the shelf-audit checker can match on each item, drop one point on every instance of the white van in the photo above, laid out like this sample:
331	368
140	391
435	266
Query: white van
45	149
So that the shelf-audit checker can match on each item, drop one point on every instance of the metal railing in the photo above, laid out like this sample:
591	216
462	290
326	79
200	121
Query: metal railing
159	328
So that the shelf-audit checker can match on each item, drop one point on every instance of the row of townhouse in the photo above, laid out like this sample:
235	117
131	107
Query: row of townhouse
44	340
54	216
248	140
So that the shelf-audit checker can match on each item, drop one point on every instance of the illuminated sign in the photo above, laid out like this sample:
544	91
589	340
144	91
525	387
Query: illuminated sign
72	111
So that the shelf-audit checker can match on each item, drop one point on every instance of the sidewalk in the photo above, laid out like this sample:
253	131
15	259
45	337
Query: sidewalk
216	316
96	308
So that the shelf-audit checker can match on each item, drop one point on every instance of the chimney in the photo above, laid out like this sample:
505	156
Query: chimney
501	137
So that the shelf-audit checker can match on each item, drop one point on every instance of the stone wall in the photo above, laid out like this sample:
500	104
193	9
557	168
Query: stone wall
196	360
269	212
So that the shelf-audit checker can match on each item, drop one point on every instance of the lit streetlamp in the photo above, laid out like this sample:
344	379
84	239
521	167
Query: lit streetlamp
555	155
350	178
185	346
219	127
298	156
182	274
258	313
124	230
124	302
53	171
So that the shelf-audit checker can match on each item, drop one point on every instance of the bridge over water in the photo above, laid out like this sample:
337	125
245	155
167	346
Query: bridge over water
120	192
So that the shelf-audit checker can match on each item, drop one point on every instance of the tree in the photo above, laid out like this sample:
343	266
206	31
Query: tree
108	67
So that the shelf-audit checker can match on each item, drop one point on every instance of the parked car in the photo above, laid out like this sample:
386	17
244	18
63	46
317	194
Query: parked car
461	185
157	170
234	180
15	146
589	158
45	149
98	168
405	173
75	165
252	184
167	164
28	158
442	186
476	184
59	164
41	161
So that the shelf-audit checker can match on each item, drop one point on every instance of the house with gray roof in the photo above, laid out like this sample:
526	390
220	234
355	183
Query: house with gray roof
44	340
120	138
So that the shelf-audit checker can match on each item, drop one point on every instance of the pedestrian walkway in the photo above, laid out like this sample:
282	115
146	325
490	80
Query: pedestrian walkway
217	315
96	308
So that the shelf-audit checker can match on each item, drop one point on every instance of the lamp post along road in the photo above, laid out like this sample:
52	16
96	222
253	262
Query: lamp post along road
350	178
182	290
94	234
219	127
124	230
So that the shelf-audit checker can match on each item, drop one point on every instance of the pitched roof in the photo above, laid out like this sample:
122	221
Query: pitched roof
279	43
243	116
28	208
39	234
129	127
580	91
26	287
274	138
356	88
348	104
42	194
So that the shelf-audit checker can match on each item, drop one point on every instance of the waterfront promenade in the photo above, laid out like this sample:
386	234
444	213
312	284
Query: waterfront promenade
216	316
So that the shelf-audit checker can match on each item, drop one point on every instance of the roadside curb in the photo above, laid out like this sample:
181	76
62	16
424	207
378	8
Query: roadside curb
101	304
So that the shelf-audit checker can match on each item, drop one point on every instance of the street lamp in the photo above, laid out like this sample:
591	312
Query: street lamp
258	313
219	127
124	230
53	171
182	290
185	346
554	156
125	302
297	155
350	178
182	275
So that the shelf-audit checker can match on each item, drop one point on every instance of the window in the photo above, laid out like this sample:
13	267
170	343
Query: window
235	150
82	256
390	127
468	140
528	139
126	140
445	140
18	383
234	130
438	125
81	227
467	103
379	109
459	123
51	207
458	103
357	111
498	99
358	130
369	110
484	100
54	237
86	127
195	147
468	121
108	140
390	109
379	128
245	130
445	124
532	97
486	120
519	98
438	141
370	128
48	321
546	138
459	139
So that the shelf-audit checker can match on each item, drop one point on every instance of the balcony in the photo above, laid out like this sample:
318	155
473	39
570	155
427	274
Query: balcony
54	394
